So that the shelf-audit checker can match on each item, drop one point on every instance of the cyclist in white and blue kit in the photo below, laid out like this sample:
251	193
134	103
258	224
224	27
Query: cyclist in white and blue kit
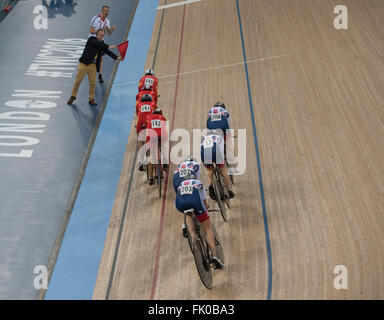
191	195
188	166
212	151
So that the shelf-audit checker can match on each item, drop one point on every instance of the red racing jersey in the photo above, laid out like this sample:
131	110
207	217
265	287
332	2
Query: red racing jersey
148	82
143	109
158	124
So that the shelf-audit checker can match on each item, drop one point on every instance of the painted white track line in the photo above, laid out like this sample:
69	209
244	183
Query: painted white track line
177	4
206	69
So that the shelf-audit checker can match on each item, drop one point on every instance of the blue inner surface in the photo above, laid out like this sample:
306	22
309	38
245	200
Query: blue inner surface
76	269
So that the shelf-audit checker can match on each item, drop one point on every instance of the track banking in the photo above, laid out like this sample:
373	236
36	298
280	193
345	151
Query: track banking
25	116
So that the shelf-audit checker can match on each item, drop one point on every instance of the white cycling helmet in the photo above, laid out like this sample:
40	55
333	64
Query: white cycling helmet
215	132
189	175
149	71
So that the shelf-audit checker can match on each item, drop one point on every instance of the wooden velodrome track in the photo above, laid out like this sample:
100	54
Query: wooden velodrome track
318	103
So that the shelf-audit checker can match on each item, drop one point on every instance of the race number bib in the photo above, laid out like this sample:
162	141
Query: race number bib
148	82
146	108
186	190
183	172
156	124
216	117
208	142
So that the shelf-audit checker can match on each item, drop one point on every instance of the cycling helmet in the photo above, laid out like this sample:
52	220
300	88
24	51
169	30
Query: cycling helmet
219	104
157	111
149	72
216	132
190	158
146	98
189	175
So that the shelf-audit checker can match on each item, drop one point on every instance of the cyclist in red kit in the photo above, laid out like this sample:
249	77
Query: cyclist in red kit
156	136
153	95
148	81
143	109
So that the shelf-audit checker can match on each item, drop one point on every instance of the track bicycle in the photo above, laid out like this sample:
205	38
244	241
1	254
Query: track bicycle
200	249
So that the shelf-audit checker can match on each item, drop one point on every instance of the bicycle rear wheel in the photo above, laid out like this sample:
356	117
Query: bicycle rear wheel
201	260
219	193
202	264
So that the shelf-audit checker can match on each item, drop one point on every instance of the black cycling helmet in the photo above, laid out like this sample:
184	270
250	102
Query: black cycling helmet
190	158
149	72
219	104
157	111
146	98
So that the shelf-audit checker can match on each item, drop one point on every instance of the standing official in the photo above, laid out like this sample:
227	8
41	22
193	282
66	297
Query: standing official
89	61
101	22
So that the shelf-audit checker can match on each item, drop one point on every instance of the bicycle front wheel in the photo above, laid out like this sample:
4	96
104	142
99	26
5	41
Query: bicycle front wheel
189	235
219	248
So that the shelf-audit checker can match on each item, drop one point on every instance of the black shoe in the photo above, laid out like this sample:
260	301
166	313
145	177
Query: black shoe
92	102
151	182
212	192
165	167
185	233
217	264
71	99
231	194
101	80
141	167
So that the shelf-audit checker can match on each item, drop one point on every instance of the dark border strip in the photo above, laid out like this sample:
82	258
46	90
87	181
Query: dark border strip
116	254
76	187
3	14
261	186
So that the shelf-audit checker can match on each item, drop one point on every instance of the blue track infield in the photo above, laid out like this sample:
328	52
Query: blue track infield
76	269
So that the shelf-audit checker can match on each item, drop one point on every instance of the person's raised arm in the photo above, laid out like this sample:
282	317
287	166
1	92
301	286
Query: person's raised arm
110	30
92	30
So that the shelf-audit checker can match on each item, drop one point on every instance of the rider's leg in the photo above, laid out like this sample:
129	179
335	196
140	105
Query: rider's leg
151	167
210	180
227	179
150	170
210	175
191	227
229	148
210	236
140	151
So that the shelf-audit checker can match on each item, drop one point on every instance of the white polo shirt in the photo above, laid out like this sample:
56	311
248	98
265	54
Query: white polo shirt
98	23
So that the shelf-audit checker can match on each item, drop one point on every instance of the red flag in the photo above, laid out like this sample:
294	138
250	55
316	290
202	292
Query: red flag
7	8
122	47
